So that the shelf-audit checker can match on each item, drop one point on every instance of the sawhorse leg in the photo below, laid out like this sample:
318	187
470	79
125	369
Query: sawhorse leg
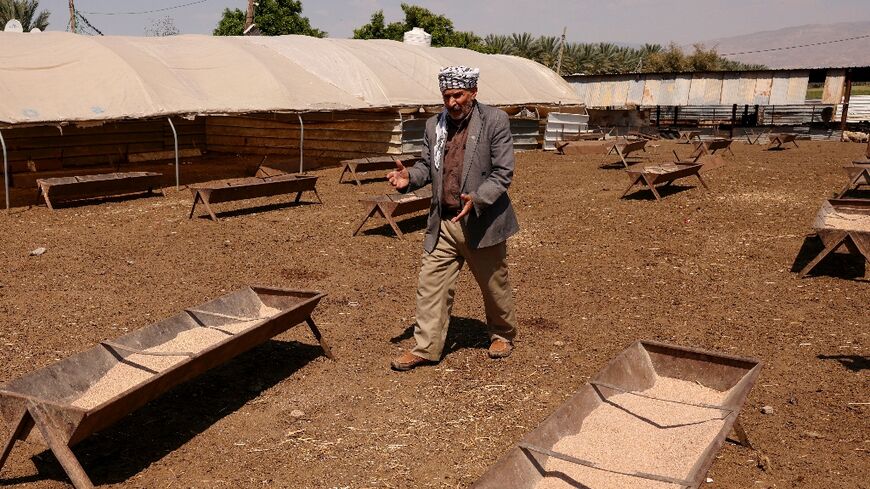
61	449
18	430
388	215
372	210
824	253
196	200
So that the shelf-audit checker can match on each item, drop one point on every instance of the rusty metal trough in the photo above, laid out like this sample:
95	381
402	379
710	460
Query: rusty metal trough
84	187
249	188
70	400
635	369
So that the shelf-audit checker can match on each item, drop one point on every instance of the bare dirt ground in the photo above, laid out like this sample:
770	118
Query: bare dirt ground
592	272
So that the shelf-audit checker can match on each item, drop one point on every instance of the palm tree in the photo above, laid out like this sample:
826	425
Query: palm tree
524	45
498	44
25	12
548	51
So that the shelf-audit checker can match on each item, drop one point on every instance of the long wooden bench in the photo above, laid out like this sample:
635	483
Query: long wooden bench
665	173
393	205
60	405
83	187
233	189
377	163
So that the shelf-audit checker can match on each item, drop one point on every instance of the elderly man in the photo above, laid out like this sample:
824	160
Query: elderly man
468	158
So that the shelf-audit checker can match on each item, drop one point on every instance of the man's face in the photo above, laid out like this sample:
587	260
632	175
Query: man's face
458	101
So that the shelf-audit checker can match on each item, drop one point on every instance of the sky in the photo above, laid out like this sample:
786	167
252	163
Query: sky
619	21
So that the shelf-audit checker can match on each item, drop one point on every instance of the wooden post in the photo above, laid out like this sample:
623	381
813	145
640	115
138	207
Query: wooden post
733	119
249	17
658	115
561	51
846	97
72	16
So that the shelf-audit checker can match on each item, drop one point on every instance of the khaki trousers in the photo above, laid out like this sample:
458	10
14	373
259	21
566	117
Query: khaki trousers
435	289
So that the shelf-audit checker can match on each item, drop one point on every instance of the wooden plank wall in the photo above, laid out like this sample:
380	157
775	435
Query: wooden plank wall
45	151
329	136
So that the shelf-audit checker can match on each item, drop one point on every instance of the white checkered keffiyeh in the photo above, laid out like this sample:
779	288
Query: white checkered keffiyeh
449	78
458	77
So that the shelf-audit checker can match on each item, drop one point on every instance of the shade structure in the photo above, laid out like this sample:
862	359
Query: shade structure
58	76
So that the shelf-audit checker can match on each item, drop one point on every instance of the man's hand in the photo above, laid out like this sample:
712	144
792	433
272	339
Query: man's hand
466	207
399	177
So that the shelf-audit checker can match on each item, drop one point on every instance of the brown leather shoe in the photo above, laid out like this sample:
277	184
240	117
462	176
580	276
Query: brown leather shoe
408	361
500	349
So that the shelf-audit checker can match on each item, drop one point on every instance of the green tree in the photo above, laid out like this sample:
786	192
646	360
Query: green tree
438	26
25	12
497	44
273	18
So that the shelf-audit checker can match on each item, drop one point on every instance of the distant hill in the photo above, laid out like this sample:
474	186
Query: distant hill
848	53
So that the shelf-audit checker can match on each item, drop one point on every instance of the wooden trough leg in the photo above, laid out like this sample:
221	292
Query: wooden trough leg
319	337
372	210
633	183
652	187
389	217
196	200
17	431
354	175
317	195
47	200
702	181
340	177
210	212
61	450
821	256
740	433
622	157
298	196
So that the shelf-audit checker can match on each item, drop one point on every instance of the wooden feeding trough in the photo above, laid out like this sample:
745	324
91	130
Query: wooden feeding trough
664	173
778	140
66	189
377	163
687	136
625	150
654	417
218	191
391	206
859	176
86	392
842	222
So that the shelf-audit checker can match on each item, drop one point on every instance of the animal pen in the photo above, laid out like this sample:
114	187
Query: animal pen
78	105
737	102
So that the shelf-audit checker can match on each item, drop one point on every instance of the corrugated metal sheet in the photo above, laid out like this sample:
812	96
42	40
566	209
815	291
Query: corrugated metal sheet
635	91
833	91
730	88
779	89
682	86
859	108
712	91
762	88
561	125
651	90
697	90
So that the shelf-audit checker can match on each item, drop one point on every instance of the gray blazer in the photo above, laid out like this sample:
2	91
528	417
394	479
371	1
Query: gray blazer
488	169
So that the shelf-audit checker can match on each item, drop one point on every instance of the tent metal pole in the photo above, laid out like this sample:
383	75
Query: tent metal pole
175	136
301	140
5	171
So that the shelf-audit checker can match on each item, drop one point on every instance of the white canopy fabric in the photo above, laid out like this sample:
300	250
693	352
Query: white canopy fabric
58	76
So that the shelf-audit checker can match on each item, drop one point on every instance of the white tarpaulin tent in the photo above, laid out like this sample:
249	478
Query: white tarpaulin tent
56	76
